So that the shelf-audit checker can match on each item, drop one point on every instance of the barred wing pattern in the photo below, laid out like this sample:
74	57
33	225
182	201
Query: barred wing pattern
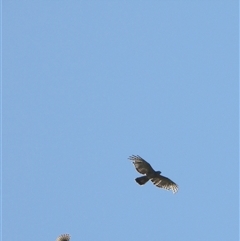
63	237
166	183
141	165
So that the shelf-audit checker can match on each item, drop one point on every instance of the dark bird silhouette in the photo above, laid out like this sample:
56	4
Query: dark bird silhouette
63	237
145	168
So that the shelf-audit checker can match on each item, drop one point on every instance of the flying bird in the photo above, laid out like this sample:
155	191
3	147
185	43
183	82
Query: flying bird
63	237
145	168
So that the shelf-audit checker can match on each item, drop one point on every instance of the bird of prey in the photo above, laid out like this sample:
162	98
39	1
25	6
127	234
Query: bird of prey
145	168
63	237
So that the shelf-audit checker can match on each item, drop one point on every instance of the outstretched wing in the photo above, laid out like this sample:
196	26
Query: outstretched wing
164	182
63	237
141	165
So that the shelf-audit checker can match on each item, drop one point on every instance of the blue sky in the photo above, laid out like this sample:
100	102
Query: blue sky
88	83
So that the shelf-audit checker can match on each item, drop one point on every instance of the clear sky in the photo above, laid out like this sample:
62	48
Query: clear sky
88	83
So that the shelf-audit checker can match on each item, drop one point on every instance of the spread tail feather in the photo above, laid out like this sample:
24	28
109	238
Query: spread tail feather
142	180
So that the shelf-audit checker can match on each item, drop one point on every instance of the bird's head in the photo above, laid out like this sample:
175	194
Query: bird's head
158	172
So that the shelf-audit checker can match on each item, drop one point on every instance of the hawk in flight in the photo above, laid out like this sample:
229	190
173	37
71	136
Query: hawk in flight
63	237
145	168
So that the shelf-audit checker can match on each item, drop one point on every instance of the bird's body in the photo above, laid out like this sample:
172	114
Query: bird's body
145	168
